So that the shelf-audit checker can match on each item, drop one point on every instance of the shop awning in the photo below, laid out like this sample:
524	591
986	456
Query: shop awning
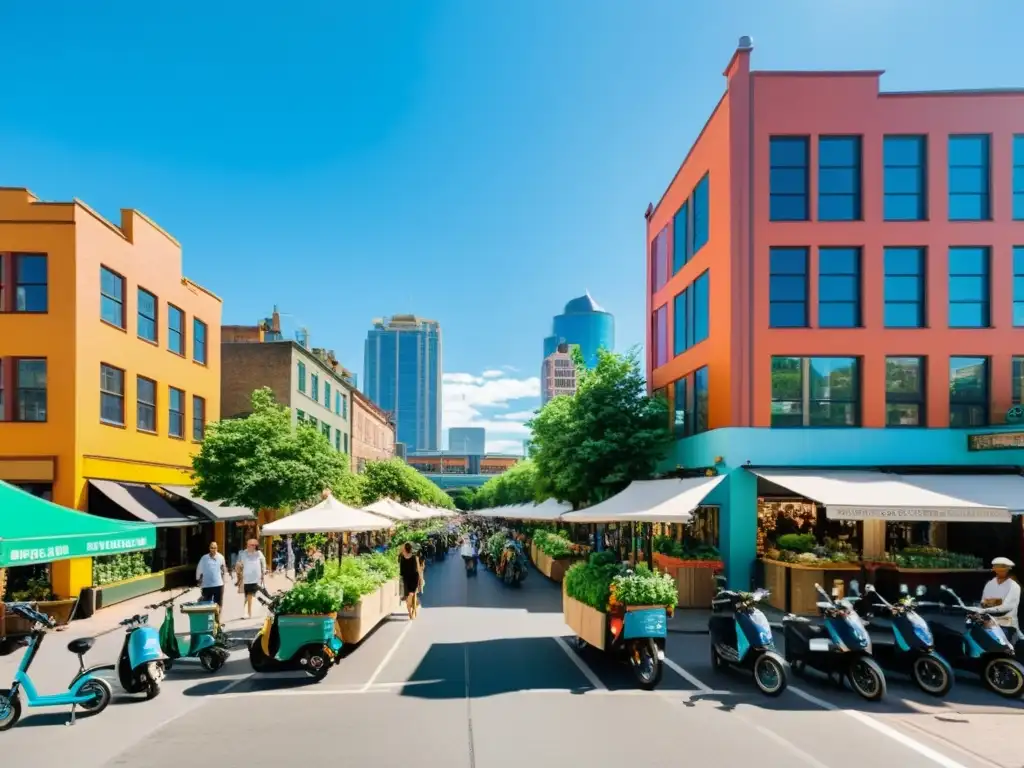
217	511
33	530
549	510
650	501
390	509
851	494
143	503
329	516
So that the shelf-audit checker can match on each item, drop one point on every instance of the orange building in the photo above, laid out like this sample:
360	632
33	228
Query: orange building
109	360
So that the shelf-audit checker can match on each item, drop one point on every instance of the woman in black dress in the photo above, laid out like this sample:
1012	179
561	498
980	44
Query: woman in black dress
409	570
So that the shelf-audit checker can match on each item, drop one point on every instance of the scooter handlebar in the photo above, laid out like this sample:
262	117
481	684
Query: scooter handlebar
28	611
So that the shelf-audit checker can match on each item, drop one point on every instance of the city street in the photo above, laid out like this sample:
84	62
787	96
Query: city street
485	678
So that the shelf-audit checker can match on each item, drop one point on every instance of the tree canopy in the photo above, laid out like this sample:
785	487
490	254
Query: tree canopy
589	446
517	485
394	479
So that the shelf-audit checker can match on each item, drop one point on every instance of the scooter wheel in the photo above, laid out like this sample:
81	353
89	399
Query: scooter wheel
10	710
211	659
317	665
101	695
867	678
154	675
771	674
716	661
257	658
932	674
648	668
1005	677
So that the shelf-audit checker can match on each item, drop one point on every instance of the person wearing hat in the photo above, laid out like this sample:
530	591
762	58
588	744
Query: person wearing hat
1002	596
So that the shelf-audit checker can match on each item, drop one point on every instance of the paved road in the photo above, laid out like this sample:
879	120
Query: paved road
484	679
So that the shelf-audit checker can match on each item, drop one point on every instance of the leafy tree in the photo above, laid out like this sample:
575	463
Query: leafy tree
463	498
592	445
394	479
262	462
517	485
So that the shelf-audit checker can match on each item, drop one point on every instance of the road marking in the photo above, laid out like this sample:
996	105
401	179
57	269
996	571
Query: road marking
687	676
882	728
786	744
387	658
588	673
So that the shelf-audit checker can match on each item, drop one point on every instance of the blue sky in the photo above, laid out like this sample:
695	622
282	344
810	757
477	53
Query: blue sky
473	161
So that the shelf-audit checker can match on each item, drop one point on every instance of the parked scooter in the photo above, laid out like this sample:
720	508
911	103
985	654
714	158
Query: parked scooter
904	642
140	667
982	648
205	639
307	643
838	646
744	640
87	691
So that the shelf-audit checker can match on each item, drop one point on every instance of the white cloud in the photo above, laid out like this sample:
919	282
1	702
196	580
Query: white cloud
471	400
505	446
516	416
492	374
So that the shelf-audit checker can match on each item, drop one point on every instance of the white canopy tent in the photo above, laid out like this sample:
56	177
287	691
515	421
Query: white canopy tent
547	511
649	501
391	509
329	516
509	511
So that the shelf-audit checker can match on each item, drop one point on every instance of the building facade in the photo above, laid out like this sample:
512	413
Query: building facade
471	441
833	256
557	374
583	323
109	357
373	434
402	372
449	470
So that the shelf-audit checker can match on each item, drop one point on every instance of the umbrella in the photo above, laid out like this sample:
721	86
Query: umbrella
391	509
329	516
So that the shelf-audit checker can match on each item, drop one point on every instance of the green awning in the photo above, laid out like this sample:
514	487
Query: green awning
33	530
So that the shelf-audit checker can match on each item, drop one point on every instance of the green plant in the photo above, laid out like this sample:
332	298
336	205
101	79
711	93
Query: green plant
114	568
553	544
35	590
360	576
312	598
933	557
590	582
797	542
644	587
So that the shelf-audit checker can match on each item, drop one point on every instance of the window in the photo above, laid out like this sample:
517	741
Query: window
659	260
839	287
300	416
968	288
3	400
700	400
198	417
968	392
682	408
145	416
681	237
788	178
326	429
344	443
660	335
147	316
839	178
701	310
302	376
344	407
314	382
815	392
111	395
904	288
312	422
327	395
969	178
31	289
337	439
1018	380
787	288
905	392
175	330
175	412
3	283
701	213
198	340
1018	178
1018	286
905	178
112	298
30	389
682	331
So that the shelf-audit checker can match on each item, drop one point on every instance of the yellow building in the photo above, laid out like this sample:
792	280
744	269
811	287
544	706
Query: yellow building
109	362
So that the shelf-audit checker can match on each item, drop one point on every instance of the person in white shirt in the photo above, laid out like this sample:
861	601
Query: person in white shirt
210	574
1002	597
250	571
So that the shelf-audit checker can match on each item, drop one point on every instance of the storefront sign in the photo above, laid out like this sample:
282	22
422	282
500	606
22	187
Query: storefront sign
921	514
995	441
61	548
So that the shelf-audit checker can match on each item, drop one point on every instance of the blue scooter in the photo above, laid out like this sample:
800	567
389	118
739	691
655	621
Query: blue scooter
744	640
140	667
91	693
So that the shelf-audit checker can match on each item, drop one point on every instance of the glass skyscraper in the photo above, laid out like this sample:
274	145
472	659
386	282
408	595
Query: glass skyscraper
583	323
402	375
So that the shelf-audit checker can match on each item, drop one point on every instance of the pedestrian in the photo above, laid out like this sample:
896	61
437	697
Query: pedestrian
250	573
210	574
1001	597
409	569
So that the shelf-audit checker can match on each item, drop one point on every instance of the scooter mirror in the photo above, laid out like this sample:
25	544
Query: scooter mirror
869	587
904	589
921	590
854	586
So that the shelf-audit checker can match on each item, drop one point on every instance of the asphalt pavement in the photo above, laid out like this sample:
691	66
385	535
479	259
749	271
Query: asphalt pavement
486	678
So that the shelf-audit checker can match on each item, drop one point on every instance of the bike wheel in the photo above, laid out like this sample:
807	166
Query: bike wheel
770	674
10	709
867	678
647	667
1005	677
932	674
101	695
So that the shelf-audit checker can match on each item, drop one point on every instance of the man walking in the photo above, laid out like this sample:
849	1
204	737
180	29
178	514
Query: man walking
210	574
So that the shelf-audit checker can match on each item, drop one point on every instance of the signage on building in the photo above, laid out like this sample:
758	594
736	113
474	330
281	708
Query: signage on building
920	514
995	441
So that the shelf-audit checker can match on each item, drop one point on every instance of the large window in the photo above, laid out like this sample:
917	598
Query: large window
145	416
969	287
1018	380
815	392
198	417
660	335
344	443
969	178
839	287
905	392
906	178
701	213
682	408
31	289
30	389
198	340
691	315
839	178
700	400
681	237
968	392
787	288
659	260
701	309
904	288
111	395
1018	177
788	180
147	316
1018	286
112	298
175	330
175	412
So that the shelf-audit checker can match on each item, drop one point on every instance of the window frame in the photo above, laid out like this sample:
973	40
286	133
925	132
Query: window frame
119	396
175	417
686	429
314	387
1017	178
985	403
919	398
122	302
921	277
661	354
807	399
805	275
139	316
13	282
701	413
171	309
985	168
327	394
198	418
700	229
659	248
857	278
1017	257
778	140
681	237
18	394
985	276
857	194
920	167
200	347
301	376
141	406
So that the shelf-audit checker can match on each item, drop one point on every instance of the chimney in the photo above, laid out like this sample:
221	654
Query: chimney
739	64
275	321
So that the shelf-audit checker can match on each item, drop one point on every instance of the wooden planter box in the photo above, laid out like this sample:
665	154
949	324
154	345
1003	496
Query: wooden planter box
588	623
553	568
356	622
695	579
802	597
60	611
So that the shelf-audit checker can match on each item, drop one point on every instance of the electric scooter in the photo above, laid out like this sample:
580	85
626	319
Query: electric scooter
140	667
981	648
205	639
91	693
838	646
905	644
307	643
744	640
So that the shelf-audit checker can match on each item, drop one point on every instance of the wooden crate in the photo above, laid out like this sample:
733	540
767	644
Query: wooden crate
586	622
695	587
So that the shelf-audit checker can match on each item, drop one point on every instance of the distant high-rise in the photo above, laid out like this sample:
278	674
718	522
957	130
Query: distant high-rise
557	374
471	441
402	375
583	323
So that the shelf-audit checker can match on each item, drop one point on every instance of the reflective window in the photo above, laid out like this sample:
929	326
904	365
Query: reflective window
302	376
701	213
30	379
198	340
701	310
969	178
905	392
682	408
815	392
839	178
175	412
968	287
1018	177
31	289
700	400
1018	380
1018	286
146	323
682	326
327	395
681	237
659	260
145	416
111	297
175	330
788	178
905	178
198	417
839	287
111	395
904	288
660	335
314	387
968	392
787	288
